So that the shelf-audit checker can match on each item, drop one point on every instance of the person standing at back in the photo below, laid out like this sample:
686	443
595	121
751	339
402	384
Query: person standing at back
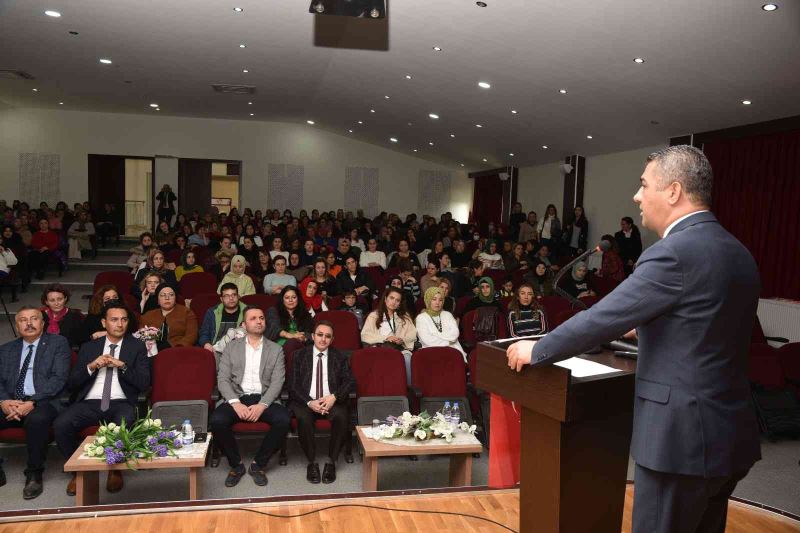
695	434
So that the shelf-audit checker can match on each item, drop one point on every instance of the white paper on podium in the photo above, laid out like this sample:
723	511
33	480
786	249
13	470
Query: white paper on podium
583	368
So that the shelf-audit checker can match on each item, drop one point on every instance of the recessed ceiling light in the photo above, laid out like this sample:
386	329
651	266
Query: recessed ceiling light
242	45
544	147
452	135
51	13
481	4
408	76
61	103
349	131
462	164
639	60
35	90
393	139
589	137
562	91
485	160
310	122
437	48
478	125
387	96
434	116
252	114
415	149
249	103
371	110
746	102
154	105
511	154
238	9
105	61
245	71
410	123
360	121
431	143
484	85
769	7
158	109
514	111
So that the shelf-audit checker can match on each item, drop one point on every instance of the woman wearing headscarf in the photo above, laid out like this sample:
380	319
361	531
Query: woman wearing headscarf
435	326
541	279
525	315
576	284
176	322
188	264
309	292
155	262
485	297
237	276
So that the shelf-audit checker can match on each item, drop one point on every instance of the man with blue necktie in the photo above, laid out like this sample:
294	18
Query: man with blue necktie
33	372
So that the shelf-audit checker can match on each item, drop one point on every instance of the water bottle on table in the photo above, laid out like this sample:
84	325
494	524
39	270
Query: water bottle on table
455	415
187	433
447	412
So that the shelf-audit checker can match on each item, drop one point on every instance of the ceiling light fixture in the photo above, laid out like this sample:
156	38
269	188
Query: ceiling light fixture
430	143
415	149
242	45
371	110
769	7
437	48
310	122
349	131
484	85
360	122
746	102
462	164
408	76
589	137
514	111
511	154
387	96
51	13
485	160
105	61
158	109
562	91
153	105
452	135
252	114
393	139
245	71
638	60
434	116
35	90
61	103
410	123
249	103
238	9
544	147
478	125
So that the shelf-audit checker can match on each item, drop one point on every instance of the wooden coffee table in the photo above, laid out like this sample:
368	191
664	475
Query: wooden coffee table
88	470
460	458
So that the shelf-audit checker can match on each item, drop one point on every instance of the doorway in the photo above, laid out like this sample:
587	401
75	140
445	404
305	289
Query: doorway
125	182
225	186
204	184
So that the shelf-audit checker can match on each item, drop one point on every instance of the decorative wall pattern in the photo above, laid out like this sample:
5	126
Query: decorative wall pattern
361	188
434	191
285	189
39	178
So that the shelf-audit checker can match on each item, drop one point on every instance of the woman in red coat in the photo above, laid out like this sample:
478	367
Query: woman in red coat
44	249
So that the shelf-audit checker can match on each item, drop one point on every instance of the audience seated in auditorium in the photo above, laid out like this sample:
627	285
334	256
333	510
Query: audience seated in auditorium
275	282
325	282
277	249
372	256
188	264
576	231
155	264
391	325
485	297
250	231
220	318
222	264
525	315
506	290
141	252
295	268
108	377
33	372
410	284
148	286
356	242
250	378
289	324
319	389
247	249
309	253
176	323
333	267
58	317
517	259
45	249
92	327
164	237
436	326
353	278
403	254
199	237
80	235
576	284
629	241
431	277
351	304
309	292
543	256
541	279
237	276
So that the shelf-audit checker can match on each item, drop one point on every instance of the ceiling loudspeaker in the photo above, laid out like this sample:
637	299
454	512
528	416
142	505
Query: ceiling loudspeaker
565	168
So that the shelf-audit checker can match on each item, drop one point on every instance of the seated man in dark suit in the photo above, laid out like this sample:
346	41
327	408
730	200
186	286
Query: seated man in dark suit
33	371
250	379
319	388
110	373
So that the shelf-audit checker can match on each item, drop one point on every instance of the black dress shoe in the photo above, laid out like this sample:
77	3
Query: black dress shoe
329	473
312	473
33	486
259	474
234	476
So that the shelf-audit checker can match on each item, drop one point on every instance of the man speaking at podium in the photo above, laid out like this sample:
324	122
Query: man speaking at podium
692	299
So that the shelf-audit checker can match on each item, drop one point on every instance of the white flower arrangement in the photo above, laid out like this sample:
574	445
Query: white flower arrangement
420	427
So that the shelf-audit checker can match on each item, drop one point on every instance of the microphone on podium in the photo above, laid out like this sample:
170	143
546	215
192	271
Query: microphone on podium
602	246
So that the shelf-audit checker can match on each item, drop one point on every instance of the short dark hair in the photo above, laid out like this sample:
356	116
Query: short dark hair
114	304
228	286
279	258
248	309
688	166
628	220
324	323
55	287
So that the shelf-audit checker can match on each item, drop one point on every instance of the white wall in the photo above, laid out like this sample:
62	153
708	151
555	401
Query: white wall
610	182
74	134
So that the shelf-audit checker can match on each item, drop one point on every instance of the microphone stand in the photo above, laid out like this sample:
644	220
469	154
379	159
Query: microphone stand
564	294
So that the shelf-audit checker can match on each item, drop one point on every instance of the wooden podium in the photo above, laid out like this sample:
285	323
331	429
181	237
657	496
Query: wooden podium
574	442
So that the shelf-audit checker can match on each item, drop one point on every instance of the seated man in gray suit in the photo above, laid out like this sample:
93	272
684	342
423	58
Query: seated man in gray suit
695	433
250	379
33	372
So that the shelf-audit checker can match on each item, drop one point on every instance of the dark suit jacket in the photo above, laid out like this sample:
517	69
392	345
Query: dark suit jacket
50	367
629	248
340	380
133	381
693	296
